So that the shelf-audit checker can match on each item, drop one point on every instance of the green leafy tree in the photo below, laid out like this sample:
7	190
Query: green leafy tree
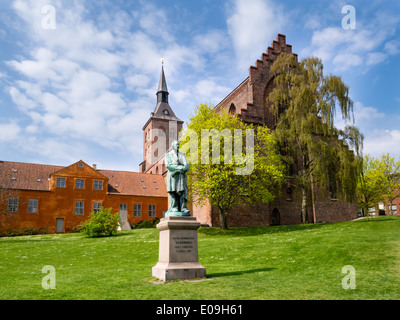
101	223
390	169
230	162
305	103
371	184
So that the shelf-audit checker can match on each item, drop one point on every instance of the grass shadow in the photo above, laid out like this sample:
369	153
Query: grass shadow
237	273
254	231
384	218
54	238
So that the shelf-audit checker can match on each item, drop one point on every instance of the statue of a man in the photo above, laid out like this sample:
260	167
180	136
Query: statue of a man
177	166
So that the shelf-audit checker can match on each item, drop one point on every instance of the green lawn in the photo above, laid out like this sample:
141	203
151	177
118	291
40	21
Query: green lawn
281	262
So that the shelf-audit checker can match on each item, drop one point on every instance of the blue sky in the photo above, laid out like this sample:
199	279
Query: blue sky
83	90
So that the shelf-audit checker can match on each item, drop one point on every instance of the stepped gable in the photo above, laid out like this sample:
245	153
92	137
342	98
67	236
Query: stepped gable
248	98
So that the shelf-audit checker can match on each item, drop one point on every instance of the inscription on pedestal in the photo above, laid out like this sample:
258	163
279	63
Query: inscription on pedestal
183	244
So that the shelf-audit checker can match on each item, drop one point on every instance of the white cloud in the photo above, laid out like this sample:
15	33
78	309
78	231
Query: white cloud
71	76
375	58
211	91
20	99
252	25
363	114
9	132
134	81
347	60
378	138
211	42
154	21
379	141
392	47
369	44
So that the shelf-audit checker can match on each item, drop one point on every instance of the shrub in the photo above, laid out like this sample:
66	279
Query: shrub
12	233
101	223
146	224
29	231
43	231
76	229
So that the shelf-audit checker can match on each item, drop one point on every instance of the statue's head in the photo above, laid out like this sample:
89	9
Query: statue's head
175	145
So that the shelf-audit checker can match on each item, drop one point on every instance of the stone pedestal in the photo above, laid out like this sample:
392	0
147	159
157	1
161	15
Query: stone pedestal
178	253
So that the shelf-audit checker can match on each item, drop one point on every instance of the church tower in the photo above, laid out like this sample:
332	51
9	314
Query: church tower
159	131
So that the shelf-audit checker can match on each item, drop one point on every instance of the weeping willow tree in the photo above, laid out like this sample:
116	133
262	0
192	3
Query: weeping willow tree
320	156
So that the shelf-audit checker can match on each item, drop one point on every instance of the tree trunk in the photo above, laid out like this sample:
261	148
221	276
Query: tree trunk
313	199
304	206
223	219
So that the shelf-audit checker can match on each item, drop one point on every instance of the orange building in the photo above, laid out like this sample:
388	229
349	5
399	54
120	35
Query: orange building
60	198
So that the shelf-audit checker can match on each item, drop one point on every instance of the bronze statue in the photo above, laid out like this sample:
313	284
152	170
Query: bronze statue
177	166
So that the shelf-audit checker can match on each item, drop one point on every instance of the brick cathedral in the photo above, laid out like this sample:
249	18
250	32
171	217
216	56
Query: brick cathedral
248	102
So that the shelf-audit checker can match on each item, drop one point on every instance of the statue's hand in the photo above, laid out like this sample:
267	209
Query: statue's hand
176	172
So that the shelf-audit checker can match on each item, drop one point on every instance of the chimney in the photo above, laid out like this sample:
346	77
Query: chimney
94	166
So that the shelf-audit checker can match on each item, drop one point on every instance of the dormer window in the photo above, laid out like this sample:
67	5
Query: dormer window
166	112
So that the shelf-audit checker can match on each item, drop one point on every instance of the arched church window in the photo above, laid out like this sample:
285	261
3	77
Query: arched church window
289	194
166	112
275	217
232	109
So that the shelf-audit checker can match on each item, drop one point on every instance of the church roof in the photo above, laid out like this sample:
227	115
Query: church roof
162	110
162	85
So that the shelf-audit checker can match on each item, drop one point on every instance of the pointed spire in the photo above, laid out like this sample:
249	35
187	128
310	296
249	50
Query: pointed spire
162	92
163	110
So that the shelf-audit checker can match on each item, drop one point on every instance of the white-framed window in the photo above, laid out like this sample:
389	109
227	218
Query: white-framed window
137	210
371	211
33	205
394	209
13	205
98	185
79	184
96	206
80	165
60	183
152	210
79	208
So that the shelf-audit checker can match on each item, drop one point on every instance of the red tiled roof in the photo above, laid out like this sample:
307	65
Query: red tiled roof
26	176
135	183
30	176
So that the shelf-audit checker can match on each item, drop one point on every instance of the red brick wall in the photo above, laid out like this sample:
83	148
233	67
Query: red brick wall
289	213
